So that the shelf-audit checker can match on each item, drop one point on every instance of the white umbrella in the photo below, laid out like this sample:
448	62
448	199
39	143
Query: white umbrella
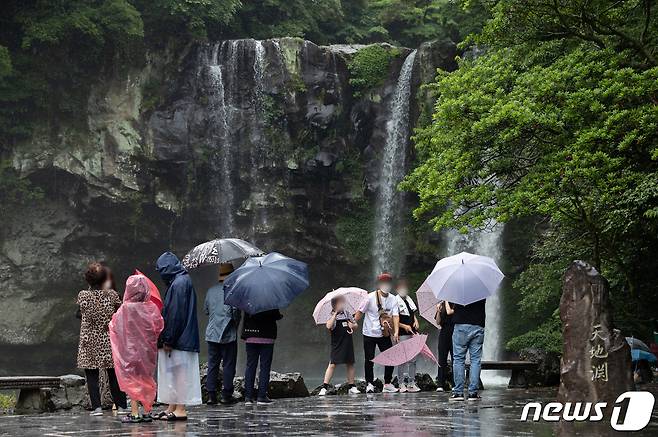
464	278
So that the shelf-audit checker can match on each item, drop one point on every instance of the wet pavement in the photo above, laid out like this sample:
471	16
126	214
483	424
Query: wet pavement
421	414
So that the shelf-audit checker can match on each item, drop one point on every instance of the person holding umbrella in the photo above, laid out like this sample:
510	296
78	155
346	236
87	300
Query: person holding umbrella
259	332
260	287
341	326
465	280
444	312
468	335
179	383
380	328
221	336
409	326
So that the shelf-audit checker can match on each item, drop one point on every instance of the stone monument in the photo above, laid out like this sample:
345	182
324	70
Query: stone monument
596	360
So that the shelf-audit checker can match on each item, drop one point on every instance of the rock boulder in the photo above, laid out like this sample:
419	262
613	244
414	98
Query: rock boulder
596	360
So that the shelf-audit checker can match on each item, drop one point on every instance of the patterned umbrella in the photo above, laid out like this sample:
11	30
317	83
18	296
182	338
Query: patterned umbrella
353	298
405	351
218	251
427	303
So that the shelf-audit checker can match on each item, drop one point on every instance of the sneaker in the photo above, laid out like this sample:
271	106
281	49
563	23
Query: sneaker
265	401
413	388
323	392
456	397
97	412
147	417
370	388
248	401
439	389
403	388
473	397
389	388
354	391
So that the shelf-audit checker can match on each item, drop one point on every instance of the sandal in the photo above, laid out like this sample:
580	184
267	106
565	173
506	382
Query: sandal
131	419
162	415
171	417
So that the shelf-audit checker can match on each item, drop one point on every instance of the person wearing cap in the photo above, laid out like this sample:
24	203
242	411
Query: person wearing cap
221	335
381	325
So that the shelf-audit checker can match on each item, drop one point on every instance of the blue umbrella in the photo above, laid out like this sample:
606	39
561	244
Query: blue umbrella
265	283
639	354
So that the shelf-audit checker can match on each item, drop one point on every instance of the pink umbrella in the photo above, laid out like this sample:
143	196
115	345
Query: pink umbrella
353	298
405	351
427	302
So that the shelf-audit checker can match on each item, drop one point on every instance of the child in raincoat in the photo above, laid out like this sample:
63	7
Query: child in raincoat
134	332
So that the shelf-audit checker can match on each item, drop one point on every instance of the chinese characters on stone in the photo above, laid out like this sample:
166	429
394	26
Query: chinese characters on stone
598	355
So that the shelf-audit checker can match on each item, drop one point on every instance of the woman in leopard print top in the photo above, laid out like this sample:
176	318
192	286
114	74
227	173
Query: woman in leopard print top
97	305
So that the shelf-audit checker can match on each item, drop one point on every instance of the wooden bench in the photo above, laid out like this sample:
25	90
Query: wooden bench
518	368
30	398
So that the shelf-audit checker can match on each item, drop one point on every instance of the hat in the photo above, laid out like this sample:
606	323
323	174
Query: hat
225	269
384	277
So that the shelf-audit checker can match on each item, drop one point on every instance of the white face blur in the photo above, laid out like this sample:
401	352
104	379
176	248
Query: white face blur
403	291
107	285
385	287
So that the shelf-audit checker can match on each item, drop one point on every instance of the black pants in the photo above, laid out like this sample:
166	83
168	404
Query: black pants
445	348
369	344
258	352
118	396
226	354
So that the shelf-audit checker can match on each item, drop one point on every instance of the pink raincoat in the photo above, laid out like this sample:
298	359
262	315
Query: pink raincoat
134	332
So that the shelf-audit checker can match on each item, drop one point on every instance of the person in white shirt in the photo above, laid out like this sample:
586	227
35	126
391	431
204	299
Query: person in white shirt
408	327
380	307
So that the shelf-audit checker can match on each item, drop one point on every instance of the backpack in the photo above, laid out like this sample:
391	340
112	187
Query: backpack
385	319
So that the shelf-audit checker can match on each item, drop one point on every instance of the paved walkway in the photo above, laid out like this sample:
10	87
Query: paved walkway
422	414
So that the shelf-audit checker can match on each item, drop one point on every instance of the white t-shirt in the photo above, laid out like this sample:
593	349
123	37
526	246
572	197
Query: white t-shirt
370	310
402	307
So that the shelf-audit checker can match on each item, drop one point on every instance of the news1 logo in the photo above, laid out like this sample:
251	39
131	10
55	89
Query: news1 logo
637	407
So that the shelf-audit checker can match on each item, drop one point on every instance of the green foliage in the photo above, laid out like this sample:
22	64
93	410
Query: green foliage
547	336
7	402
195	19
410	22
553	123
369	67
354	231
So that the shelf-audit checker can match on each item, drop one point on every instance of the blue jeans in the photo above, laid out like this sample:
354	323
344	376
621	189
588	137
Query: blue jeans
467	338
227	354
256	353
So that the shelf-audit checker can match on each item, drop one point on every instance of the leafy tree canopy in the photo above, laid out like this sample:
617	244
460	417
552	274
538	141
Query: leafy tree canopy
555	118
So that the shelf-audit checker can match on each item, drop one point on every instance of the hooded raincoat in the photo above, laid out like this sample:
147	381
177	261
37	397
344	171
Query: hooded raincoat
134	332
181	330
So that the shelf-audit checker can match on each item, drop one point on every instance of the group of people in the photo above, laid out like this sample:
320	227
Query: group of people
134	340
390	316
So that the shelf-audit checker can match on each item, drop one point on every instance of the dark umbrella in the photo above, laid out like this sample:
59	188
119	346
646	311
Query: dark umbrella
218	251
265	283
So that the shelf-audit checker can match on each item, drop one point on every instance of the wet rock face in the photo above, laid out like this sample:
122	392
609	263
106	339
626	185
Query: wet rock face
261	140
596	359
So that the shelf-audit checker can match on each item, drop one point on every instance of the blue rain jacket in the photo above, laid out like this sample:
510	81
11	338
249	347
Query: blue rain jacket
181	327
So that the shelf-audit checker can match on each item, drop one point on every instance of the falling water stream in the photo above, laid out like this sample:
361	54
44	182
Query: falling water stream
220	120
388	235
487	243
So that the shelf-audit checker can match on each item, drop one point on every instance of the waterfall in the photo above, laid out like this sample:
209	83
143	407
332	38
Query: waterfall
487	243
219	115
387	242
